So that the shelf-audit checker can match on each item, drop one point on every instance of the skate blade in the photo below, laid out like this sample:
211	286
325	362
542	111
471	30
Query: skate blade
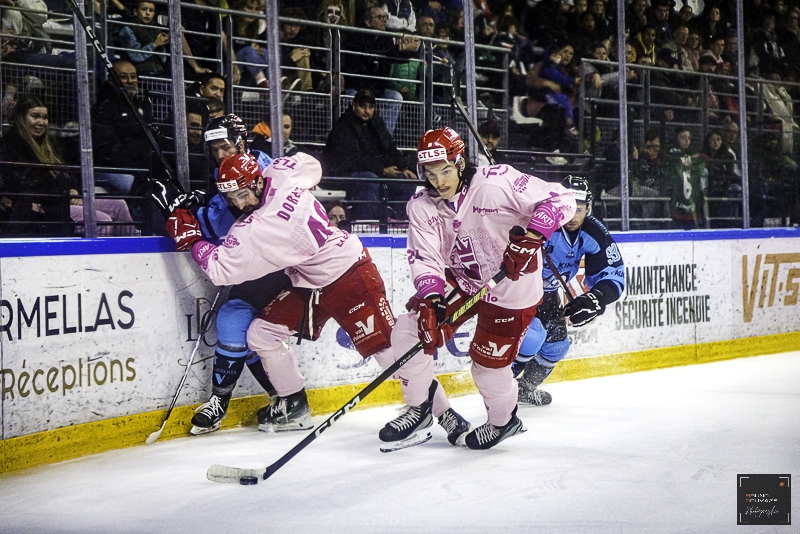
299	425
199	431
411	441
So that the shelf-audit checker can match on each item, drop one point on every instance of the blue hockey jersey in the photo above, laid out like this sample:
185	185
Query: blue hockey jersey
603	259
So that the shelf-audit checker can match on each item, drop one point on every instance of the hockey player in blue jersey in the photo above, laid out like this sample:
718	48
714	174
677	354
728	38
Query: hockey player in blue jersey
226	136
546	342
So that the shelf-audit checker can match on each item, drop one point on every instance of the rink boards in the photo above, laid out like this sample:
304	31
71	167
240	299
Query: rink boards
96	334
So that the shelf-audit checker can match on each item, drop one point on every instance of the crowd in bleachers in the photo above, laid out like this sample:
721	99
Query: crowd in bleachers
557	60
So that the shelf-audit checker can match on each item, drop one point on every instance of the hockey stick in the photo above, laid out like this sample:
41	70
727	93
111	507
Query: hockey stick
457	103
205	326
160	197
221	473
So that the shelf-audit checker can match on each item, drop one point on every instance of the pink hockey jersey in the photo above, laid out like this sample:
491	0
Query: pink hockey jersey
470	233
289	231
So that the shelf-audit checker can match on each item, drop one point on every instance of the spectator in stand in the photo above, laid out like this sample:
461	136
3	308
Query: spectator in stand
660	22
636	16
586	34
443	62
198	163
199	25
401	16
249	34
730	135
19	25
545	23
730	53
262	137
645	44
685	16
148	40
649	180
297	54
370	72
781	107
724	179
337	214
707	65
552	70
117	138
211	85
329	12
455	21
360	145
440	10
602	80
773	183
491	137
426	26
711	25
29	141
601	28
766	47
789	36
574	17
688	184
715	51
149	61
521	57
678	48
216	108
693	48
663	85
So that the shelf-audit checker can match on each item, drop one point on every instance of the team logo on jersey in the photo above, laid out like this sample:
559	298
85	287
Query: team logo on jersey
544	218
465	254
231	242
495	170
484	211
521	183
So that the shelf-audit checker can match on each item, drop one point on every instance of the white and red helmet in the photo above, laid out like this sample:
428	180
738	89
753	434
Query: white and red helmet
443	144
237	172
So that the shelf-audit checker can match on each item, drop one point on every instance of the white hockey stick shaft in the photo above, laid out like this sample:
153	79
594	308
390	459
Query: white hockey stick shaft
205	324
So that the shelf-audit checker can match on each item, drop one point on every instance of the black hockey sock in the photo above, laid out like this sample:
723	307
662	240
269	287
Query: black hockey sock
257	368
226	373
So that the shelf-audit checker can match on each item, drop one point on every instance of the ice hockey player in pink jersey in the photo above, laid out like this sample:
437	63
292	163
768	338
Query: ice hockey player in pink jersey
284	227
459	236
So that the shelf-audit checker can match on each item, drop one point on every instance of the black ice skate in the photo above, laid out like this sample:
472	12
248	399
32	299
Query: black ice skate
454	424
209	416
529	392
537	397
404	430
487	435
286	414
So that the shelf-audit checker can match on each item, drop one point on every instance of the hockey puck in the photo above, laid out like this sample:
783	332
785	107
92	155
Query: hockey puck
248	481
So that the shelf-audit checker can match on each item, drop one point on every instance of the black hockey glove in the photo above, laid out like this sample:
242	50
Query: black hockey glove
190	201
585	308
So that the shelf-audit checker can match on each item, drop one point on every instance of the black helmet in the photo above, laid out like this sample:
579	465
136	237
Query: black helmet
229	127
579	187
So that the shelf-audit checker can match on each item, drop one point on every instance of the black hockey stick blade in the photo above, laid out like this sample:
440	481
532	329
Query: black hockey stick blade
222	473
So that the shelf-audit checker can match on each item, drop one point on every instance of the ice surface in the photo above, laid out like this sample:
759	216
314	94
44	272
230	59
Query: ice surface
656	452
